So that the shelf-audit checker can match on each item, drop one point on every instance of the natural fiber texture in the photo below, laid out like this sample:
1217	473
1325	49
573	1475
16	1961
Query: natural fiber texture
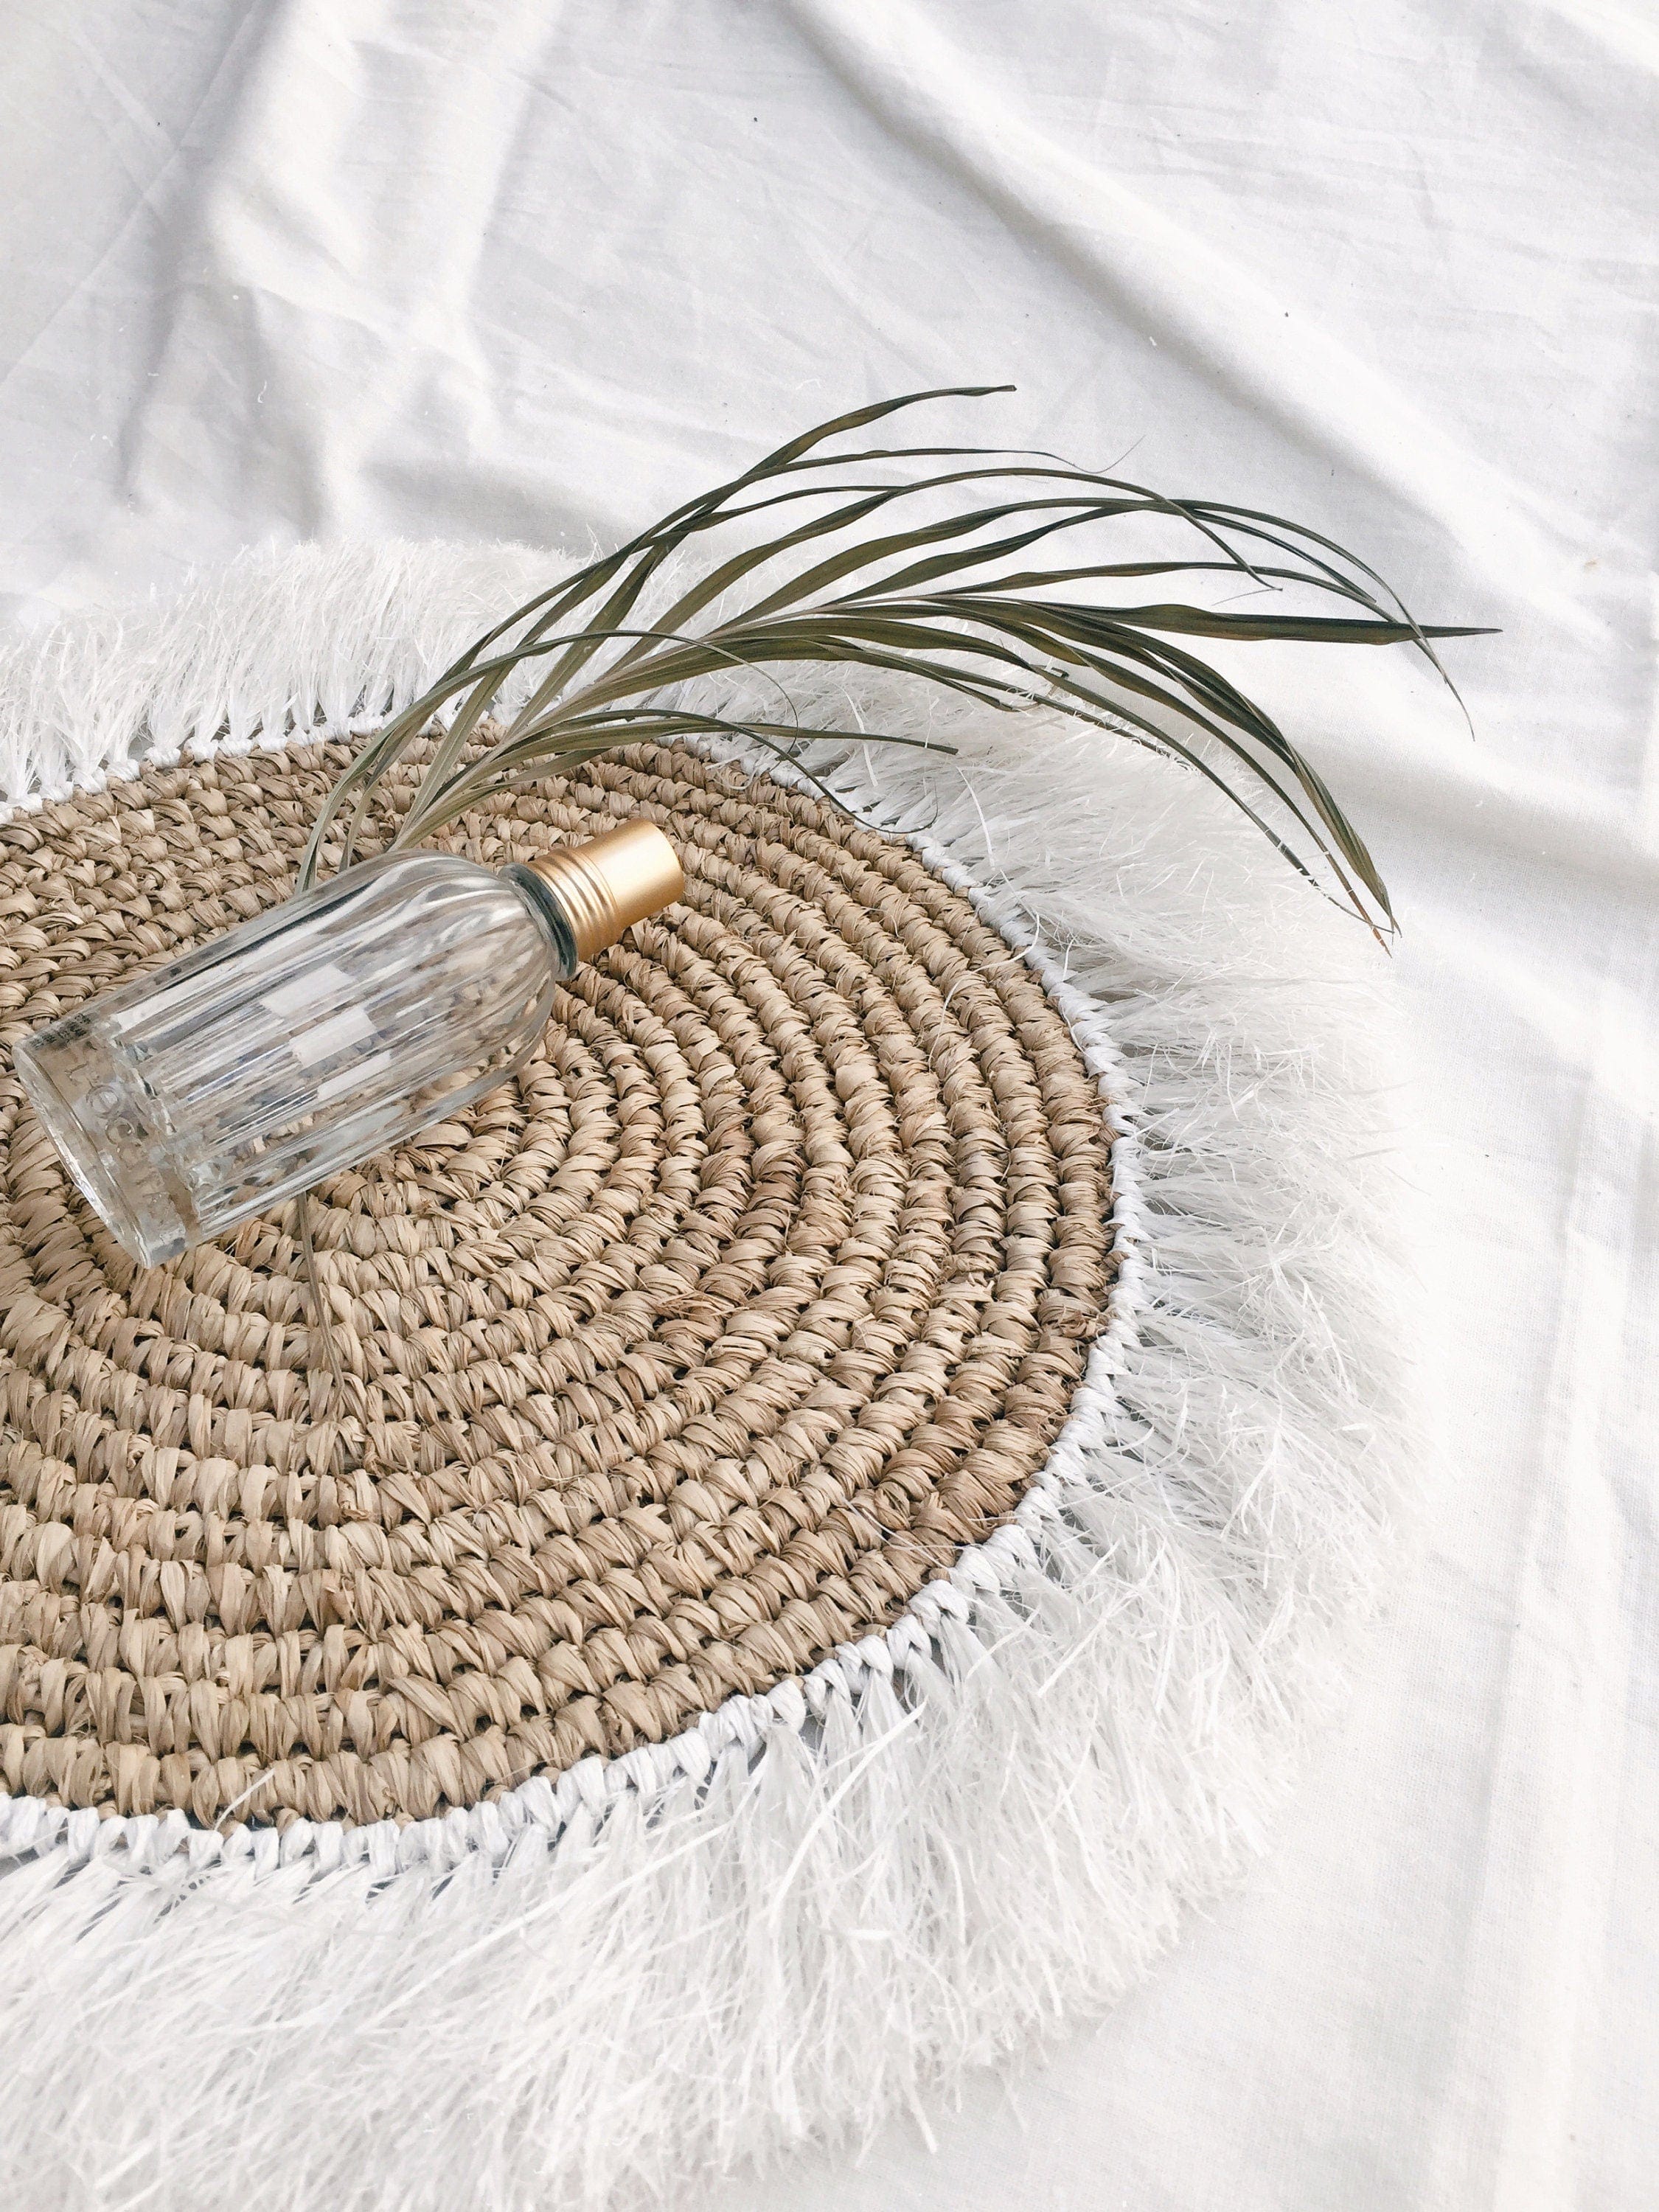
947	1839
678	1361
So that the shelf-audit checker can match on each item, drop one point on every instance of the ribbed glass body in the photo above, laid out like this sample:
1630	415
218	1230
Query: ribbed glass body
295	1046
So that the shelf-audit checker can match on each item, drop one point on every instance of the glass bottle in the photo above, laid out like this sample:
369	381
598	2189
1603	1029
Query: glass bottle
344	1021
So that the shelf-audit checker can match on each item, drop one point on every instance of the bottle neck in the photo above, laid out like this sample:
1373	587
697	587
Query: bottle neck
550	917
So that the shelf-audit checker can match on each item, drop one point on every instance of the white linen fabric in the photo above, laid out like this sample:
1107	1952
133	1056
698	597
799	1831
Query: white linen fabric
488	269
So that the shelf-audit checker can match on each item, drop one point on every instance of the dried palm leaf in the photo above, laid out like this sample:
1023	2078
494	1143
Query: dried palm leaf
937	601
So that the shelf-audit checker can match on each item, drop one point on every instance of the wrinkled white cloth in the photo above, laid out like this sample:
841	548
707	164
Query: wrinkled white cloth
494	269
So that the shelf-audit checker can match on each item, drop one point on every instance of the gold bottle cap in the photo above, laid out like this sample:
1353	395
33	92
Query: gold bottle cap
611	881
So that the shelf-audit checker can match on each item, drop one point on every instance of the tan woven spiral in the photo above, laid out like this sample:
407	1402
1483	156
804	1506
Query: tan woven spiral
685	1357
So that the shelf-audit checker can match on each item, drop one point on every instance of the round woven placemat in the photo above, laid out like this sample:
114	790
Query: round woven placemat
685	1356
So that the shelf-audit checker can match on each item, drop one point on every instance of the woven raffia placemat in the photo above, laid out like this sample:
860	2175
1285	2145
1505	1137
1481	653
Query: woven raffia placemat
852	1478
685	1357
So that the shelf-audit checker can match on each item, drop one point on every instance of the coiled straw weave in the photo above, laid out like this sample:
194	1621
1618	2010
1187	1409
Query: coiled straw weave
685	1357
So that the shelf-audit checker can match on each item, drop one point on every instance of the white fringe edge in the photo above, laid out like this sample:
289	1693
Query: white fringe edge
799	1914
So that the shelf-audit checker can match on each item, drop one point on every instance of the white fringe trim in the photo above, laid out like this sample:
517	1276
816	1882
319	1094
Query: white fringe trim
797	1914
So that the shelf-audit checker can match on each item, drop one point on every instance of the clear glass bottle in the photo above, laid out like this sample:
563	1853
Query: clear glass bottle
300	1044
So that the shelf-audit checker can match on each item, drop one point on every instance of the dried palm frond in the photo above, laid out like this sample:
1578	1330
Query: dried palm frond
937	601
